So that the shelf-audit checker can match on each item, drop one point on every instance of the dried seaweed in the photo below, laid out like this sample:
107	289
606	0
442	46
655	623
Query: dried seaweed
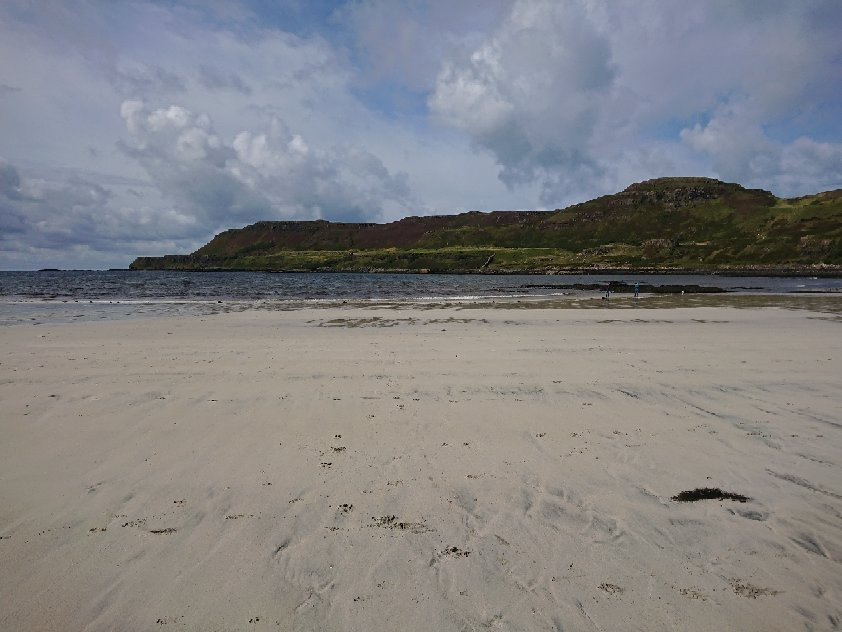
708	493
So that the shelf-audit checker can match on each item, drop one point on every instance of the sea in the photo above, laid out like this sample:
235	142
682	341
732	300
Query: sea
68	296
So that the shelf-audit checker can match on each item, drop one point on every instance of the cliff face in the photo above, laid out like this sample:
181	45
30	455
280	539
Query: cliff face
668	223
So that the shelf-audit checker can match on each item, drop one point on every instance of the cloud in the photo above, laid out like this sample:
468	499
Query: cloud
43	219
406	42
261	174
528	93
743	152
66	132
9	181
740	149
816	164
215	79
145	80
562	94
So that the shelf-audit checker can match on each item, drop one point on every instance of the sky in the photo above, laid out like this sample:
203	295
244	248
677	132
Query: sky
133	128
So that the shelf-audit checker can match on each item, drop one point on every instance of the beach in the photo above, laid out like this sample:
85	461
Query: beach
417	467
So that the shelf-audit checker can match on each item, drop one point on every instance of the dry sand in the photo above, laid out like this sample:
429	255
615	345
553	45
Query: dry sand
423	469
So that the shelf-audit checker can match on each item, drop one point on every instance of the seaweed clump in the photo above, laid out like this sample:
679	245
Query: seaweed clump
708	493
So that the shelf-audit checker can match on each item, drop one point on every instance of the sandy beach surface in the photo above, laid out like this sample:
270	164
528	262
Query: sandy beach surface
371	469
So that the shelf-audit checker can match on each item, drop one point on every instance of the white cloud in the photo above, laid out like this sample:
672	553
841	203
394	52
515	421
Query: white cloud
739	148
805	158
265	174
741	151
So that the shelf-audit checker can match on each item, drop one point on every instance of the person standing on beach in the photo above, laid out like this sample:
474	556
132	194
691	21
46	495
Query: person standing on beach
607	290
637	289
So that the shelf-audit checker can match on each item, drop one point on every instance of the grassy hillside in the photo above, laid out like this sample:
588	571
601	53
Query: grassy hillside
664	224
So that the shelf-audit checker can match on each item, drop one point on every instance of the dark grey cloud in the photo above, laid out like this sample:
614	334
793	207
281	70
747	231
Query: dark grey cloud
73	218
146	81
215	79
9	182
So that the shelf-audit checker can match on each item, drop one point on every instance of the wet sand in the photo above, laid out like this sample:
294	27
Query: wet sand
416	468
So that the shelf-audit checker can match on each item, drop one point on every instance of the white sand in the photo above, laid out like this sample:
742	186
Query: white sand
241	471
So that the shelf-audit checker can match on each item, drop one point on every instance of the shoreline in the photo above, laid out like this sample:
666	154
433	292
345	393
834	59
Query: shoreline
821	271
826	271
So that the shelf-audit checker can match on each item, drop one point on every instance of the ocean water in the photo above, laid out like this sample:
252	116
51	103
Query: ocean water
54	296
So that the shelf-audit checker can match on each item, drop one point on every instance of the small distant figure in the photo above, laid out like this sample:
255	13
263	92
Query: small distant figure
607	291
637	289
